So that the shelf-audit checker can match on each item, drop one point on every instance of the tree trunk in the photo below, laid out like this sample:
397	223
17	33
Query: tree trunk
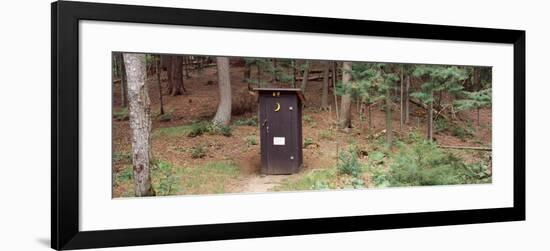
186	63
305	76
407	87
293	66
259	74
334	76
140	123
223	115
177	76
430	121
159	86
345	111
389	129
324	95
401	110
123	83
170	73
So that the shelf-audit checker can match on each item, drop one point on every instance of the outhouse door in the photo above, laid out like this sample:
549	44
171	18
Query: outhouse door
278	131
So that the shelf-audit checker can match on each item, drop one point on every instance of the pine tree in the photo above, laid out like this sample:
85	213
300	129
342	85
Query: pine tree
474	100
438	78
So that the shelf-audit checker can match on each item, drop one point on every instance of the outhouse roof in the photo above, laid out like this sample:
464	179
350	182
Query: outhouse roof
297	90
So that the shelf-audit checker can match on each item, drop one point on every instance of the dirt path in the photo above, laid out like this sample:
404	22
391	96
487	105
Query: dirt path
263	183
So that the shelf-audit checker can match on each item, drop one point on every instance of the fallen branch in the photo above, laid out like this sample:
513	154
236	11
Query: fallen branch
479	148
418	103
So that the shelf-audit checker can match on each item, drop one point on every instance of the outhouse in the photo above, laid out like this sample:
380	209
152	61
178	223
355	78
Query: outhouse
280	122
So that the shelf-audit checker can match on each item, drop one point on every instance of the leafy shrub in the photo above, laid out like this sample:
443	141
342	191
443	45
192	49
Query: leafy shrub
326	134
198	151
122	157
167	116
251	140
124	175
461	132
308	142
348	162
219	129
423	163
252	121
198	128
122	114
165	179
307	118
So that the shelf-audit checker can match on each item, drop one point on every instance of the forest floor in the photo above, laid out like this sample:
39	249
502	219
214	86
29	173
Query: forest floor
212	163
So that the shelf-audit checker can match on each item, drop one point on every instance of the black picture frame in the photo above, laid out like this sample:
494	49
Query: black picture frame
65	233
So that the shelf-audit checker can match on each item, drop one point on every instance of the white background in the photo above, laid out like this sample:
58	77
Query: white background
98	211
25	144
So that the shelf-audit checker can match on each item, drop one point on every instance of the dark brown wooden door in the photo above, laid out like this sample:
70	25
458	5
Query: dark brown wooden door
279	130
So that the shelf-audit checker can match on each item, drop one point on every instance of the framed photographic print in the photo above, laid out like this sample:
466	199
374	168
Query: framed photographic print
178	125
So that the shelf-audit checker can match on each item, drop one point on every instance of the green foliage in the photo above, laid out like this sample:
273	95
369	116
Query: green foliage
423	163
348	162
307	118
251	140
165	179
122	158
175	131
198	151
461	132
121	114
474	100
124	175
167	116
438	78
198	128
220	129
326	134
317	179
264	65
370	82
308	142
210	178
252	121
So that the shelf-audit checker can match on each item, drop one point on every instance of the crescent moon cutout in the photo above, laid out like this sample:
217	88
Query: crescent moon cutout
278	107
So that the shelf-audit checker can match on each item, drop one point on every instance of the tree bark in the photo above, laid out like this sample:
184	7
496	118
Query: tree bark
324	95
389	129
334	76
140	123
430	121
407	87
305	76
345	110
159	85
123	83
223	114
177	76
401	109
170	73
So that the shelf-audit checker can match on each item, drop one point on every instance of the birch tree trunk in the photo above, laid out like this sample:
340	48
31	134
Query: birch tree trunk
223	114
324	95
140	123
345	109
